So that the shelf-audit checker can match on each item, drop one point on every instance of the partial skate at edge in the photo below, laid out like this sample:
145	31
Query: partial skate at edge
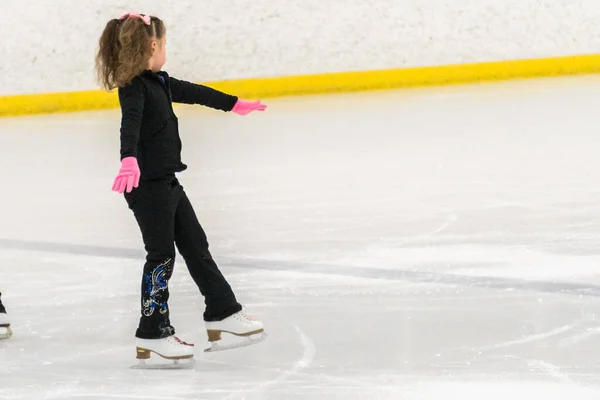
249	339
5	332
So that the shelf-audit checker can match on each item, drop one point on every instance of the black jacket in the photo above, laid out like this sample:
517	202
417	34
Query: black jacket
149	126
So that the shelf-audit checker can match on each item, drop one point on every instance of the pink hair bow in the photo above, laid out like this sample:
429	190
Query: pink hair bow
145	18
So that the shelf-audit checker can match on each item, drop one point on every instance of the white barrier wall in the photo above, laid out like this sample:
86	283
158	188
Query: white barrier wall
49	45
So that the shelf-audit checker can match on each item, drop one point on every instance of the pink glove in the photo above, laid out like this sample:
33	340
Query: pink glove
129	175
243	107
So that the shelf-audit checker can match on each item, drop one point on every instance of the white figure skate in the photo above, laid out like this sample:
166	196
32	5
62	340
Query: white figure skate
5	331
238	324
169	348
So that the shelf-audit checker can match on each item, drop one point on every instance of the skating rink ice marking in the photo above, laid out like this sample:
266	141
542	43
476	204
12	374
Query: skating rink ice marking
309	351
308	346
371	272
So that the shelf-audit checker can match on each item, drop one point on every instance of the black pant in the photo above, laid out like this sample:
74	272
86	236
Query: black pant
166	218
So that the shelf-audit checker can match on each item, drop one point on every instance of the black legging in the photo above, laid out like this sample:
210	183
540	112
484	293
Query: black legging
166	218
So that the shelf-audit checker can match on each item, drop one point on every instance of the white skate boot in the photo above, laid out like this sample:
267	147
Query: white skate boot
169	348
5	331
238	324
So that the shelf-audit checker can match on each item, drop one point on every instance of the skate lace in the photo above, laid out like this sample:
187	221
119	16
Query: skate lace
179	341
248	317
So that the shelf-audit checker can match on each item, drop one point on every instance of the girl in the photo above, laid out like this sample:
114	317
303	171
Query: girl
131	54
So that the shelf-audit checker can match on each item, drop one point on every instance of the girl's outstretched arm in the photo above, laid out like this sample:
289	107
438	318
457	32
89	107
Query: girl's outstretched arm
192	93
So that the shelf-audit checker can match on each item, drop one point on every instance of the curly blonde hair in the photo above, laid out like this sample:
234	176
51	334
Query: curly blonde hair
125	50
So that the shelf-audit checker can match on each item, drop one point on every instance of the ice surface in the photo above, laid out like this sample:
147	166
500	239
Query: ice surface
415	245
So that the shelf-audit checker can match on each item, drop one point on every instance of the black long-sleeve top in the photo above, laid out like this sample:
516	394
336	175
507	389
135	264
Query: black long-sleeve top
149	126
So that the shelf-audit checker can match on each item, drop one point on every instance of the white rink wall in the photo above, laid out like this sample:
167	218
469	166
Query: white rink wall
49	45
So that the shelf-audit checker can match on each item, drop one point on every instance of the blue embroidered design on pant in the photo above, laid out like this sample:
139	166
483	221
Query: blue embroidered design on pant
156	283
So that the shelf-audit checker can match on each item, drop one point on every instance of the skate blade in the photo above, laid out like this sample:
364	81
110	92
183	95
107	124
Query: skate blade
5	332
173	364
248	341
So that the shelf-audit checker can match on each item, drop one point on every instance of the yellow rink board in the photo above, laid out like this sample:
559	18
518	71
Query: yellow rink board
336	82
